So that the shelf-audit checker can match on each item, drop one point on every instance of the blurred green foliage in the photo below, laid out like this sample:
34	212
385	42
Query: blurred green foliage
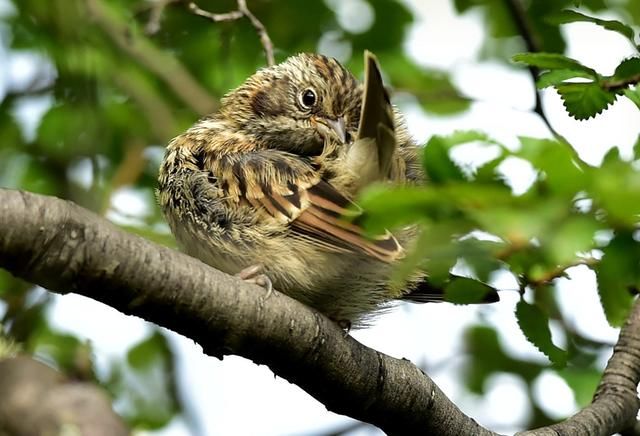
117	79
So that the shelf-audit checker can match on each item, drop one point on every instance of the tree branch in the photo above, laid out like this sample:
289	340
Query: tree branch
64	247
36	400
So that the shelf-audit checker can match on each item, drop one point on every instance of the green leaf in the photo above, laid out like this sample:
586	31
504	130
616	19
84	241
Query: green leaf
583	382
556	77
554	61
435	251
585	100
518	223
574	235
480	256
628	68
615	188
68	130
464	290
463	5
633	94
438	164
145	386
10	135
569	16
618	275
387	208
487	356
534	323
564	175
65	351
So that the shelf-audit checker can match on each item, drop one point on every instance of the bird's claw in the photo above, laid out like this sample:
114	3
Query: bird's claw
253	274
345	325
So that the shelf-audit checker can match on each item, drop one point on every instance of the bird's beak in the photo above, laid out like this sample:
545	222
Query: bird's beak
332	128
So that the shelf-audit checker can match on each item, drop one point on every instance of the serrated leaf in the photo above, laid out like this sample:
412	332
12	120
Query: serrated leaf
585	100
464	290
534	323
554	61
569	16
628	68
556	77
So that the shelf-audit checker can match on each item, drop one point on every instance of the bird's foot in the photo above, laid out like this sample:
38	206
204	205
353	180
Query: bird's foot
254	274
345	325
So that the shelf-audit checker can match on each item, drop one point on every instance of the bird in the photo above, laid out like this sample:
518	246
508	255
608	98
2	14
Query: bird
266	187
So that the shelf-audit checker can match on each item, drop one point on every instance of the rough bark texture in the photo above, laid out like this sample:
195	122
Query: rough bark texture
36	400
66	248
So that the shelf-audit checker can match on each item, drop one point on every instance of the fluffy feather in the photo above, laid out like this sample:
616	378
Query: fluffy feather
268	180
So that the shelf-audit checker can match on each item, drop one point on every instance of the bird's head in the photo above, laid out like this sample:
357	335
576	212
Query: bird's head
297	105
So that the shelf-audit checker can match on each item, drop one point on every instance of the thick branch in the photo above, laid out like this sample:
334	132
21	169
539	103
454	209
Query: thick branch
36	400
64	247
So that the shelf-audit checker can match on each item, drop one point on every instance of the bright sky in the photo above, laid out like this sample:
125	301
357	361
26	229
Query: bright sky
236	397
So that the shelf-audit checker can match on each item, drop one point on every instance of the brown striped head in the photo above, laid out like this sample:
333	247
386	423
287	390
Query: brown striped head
297	105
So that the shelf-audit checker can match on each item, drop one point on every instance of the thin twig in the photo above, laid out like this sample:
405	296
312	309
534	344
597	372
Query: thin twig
261	30
229	16
530	38
155	15
242	11
560	271
616	85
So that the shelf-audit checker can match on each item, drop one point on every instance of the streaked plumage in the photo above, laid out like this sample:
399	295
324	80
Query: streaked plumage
268	179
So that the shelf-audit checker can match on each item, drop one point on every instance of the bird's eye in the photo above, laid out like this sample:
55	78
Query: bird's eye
308	98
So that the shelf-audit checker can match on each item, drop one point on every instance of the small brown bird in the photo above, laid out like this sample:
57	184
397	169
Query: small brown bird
263	186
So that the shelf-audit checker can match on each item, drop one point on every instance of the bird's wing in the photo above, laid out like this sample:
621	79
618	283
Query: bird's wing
371	155
290	189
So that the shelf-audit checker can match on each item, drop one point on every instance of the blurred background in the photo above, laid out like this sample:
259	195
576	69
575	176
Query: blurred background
92	90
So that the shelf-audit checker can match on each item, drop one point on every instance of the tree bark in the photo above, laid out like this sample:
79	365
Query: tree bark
66	248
